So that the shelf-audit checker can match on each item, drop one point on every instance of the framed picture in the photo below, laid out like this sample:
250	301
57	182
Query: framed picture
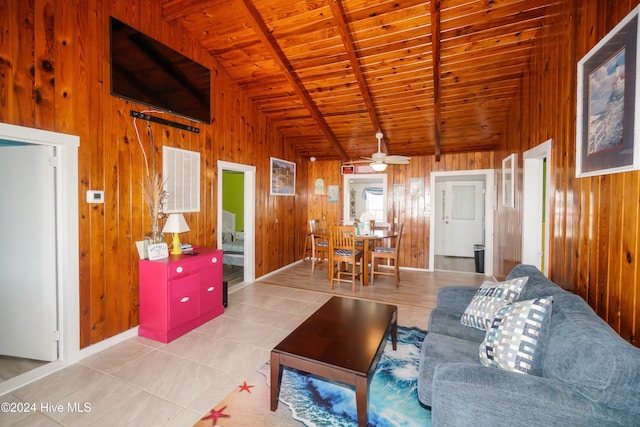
508	180
607	120
416	187
333	192
283	177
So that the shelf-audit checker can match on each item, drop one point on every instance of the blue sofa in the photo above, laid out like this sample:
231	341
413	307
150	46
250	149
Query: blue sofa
590	375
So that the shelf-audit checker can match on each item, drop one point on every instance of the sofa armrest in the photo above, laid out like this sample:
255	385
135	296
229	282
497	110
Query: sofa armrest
456	298
474	395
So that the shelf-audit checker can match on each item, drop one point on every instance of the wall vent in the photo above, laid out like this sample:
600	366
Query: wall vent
181	172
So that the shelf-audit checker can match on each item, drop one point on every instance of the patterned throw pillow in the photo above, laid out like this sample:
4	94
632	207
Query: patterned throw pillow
489	298
517	336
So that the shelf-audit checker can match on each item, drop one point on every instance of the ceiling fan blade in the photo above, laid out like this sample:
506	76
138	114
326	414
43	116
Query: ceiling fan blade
397	160
352	162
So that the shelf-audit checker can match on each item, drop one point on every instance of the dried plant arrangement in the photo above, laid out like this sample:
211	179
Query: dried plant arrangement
154	195
152	189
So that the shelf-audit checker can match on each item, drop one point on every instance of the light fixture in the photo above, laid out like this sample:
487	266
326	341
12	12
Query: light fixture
312	158
378	166
175	224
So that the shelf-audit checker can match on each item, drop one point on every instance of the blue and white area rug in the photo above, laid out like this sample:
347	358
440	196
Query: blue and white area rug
312	401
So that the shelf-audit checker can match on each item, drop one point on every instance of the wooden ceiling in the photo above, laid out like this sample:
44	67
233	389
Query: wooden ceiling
433	77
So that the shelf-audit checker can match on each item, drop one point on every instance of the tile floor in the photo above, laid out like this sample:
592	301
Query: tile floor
140	382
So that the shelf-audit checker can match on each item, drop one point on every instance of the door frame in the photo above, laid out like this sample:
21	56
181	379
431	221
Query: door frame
489	205
249	214
68	274
532	192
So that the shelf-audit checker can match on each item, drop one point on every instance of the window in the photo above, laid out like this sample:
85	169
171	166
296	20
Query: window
374	202
375	206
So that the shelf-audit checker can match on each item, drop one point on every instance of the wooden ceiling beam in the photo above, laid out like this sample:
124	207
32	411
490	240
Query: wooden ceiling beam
354	61
435	54
263	33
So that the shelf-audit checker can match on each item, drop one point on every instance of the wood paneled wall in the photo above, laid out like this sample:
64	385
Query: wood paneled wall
54	75
413	211
595	235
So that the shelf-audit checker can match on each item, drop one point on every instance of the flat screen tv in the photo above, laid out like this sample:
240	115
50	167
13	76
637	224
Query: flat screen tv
145	71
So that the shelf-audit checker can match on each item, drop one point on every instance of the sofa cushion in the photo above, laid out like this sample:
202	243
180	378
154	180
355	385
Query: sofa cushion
584	352
489	298
438	349
467	395
516	338
538	285
447	322
456	298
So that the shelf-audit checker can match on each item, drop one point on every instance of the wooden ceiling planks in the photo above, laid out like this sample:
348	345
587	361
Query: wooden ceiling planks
330	73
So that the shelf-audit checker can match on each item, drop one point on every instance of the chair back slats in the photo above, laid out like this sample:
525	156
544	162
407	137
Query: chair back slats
342	248
342	237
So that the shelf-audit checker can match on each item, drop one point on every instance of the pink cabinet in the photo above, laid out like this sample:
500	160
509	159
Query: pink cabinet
179	293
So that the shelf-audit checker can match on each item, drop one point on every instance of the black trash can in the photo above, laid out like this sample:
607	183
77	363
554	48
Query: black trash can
478	252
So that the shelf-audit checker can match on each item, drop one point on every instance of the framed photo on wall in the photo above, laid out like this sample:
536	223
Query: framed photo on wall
508	180
283	177
607	120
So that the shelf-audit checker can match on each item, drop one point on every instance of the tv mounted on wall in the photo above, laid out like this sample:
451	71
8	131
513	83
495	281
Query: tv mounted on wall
145	71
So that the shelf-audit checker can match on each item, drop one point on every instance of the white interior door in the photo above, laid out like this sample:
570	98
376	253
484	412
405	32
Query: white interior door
463	217
28	287
536	190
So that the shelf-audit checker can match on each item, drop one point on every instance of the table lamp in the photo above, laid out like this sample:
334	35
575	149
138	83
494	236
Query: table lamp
175	224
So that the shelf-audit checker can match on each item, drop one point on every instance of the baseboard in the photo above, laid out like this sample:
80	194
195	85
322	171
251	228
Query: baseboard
109	342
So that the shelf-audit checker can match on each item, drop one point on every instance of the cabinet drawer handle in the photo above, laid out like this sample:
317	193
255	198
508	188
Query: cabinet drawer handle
184	299
179	269
214	260
210	289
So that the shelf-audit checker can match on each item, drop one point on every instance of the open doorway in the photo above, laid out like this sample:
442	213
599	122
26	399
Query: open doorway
236	221
535	191
39	302
461	221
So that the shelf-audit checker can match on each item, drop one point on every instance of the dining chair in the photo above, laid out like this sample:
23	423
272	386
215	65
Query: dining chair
319	246
342	249
390	254
308	248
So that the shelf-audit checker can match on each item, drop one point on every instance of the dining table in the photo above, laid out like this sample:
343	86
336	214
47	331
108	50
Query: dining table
368	244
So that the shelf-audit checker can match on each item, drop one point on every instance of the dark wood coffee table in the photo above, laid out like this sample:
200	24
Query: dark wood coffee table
342	341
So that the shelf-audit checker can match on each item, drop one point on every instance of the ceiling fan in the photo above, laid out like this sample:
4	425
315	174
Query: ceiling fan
379	160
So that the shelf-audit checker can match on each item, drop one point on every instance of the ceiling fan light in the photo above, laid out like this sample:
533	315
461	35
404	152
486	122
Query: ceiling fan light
378	167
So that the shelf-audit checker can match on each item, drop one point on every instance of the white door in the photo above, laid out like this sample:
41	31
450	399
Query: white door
463	217
28	287
536	190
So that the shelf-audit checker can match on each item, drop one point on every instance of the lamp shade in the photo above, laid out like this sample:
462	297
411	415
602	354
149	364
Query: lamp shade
175	224
378	166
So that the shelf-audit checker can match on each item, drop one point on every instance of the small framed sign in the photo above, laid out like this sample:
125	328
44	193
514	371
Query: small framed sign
348	170
158	251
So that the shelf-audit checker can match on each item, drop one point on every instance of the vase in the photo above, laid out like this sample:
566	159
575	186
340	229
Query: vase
153	237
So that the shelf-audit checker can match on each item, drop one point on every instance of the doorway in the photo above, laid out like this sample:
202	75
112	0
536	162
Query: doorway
243	240
535	190
51	161
461	221
365	192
